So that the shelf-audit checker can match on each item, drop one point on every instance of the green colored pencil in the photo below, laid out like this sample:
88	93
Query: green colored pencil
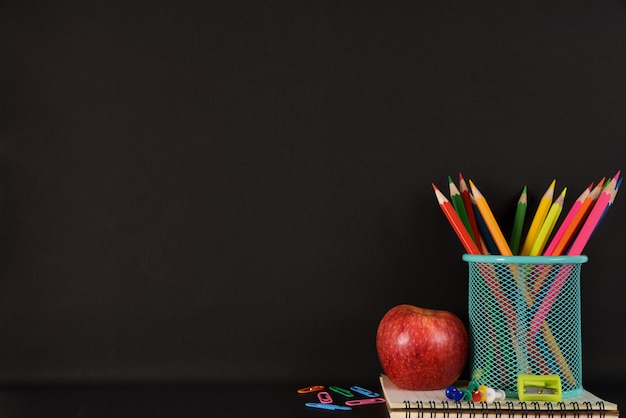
459	207
518	224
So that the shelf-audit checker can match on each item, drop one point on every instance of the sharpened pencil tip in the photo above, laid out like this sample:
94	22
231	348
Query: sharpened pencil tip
616	176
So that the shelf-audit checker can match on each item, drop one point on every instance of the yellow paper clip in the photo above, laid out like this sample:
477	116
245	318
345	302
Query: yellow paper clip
539	387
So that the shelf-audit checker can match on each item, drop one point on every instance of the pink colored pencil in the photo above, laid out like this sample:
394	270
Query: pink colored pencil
576	249
579	219
568	220
592	220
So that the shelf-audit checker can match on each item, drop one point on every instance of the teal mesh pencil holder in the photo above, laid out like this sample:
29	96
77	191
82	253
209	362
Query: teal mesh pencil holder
524	315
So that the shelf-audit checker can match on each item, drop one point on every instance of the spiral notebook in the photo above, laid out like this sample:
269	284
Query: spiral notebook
434	404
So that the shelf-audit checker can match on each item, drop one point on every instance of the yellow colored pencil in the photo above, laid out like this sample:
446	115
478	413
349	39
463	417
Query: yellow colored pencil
540	216
490	221
548	224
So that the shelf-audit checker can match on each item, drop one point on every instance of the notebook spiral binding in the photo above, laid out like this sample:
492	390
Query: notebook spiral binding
523	410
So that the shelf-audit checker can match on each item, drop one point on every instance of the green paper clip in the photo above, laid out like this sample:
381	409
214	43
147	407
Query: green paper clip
341	391
539	387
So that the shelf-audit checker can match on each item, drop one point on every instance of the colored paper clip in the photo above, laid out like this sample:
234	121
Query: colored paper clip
328	406
341	391
539	387
324	397
310	389
364	392
368	401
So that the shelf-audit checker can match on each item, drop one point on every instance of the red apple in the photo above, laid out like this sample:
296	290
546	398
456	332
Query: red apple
422	349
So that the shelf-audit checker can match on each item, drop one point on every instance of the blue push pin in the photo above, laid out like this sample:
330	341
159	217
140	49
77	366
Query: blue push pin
454	394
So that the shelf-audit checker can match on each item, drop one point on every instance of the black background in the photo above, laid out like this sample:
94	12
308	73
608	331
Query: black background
237	192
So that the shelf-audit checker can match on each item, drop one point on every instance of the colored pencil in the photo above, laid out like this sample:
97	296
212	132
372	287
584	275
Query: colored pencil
613	193
518	224
467	201
565	370
490	220
548	224
592	220
577	221
567	221
459	206
488	244
540	216
456	222
576	249
616	177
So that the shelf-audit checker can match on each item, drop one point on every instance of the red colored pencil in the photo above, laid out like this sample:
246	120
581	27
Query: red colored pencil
456	222
467	201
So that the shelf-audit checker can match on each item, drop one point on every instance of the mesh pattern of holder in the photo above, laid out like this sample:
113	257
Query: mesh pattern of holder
525	318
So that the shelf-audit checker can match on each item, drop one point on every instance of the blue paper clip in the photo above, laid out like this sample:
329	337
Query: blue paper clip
328	406
364	392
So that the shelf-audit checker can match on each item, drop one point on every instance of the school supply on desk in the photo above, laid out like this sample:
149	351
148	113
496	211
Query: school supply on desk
310	389
548	225
456	223
459	206
469	209
475	224
593	219
518	223
490	221
539	387
340	399
540	216
574	225
487	243
329	406
403	403
571	215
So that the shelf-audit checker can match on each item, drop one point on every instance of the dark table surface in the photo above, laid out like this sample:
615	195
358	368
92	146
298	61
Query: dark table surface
168	400
189	400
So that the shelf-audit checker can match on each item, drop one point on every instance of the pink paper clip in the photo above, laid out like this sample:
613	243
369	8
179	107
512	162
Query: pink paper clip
324	397
368	401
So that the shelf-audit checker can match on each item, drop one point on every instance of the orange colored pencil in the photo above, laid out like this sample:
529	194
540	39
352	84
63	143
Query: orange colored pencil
456	222
578	220
490	220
